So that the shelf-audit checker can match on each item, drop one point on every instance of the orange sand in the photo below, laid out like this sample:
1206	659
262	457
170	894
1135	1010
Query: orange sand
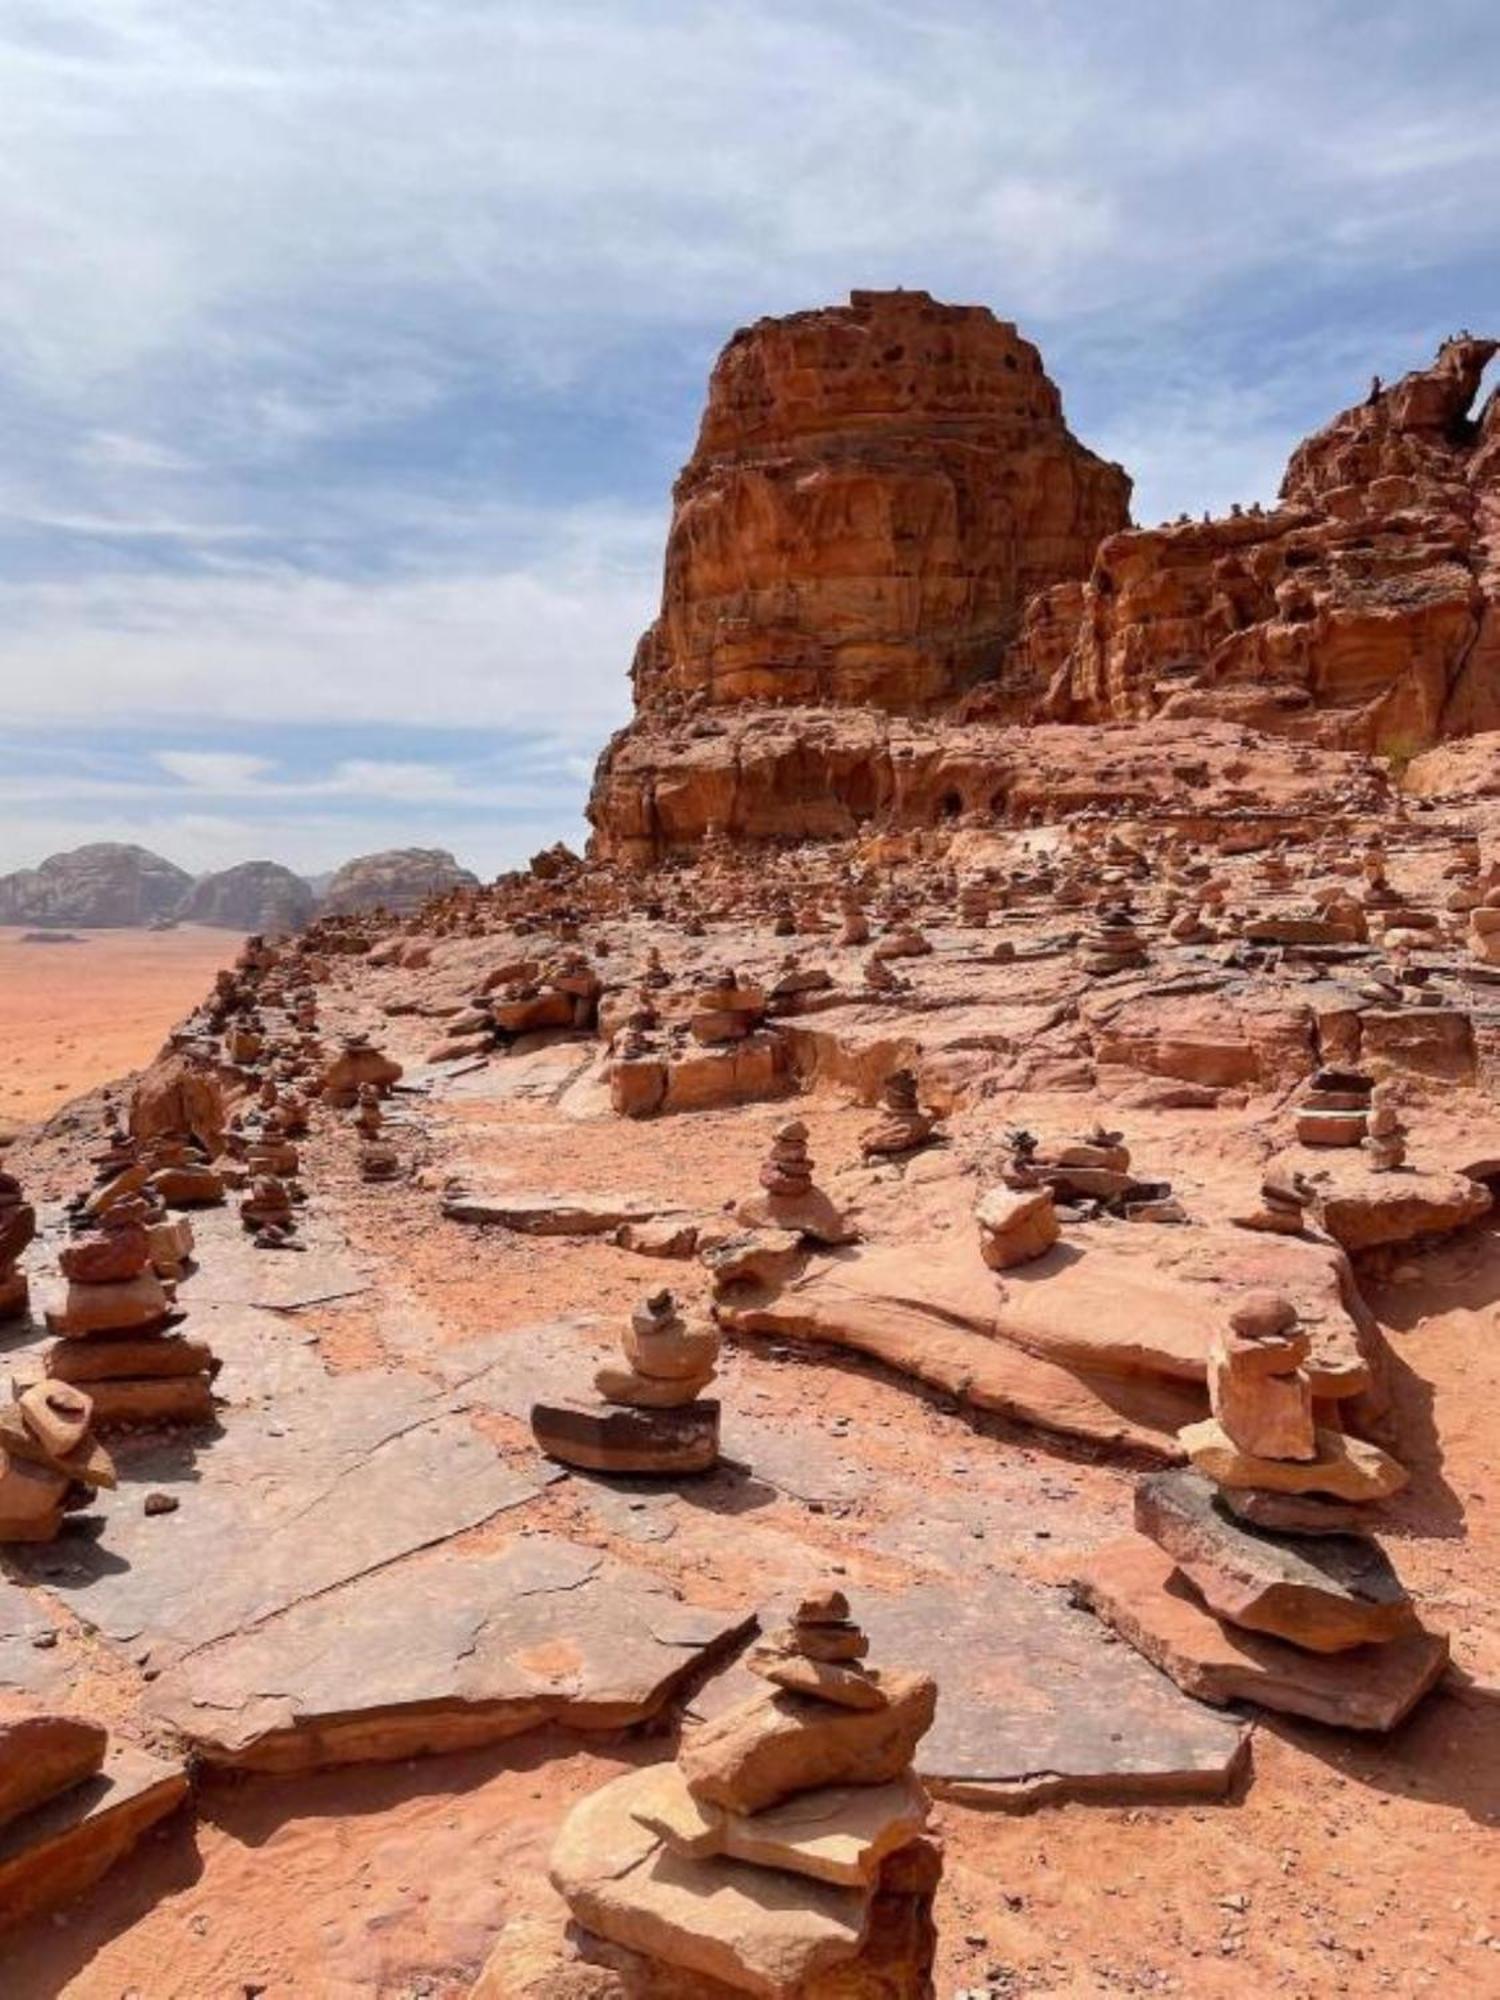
75	1015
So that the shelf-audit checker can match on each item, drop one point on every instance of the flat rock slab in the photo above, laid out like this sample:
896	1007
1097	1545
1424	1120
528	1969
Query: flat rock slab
902	1309
1138	1591
1325	1593
229	1270
1034	1702
536	1214
27	1667
759	1930
1363	1209
284	1505
54	1852
444	1655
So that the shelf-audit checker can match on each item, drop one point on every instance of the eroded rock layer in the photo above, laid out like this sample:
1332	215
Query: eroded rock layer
876	491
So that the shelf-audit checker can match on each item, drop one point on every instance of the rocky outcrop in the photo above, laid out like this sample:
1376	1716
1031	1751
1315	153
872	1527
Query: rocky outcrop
400	879
255	896
104	886
876	491
887	550
824	774
1363	611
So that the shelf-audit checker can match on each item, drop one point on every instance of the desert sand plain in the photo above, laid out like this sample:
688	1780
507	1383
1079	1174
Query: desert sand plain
75	1014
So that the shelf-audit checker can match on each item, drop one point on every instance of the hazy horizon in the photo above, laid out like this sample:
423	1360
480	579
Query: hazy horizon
346	358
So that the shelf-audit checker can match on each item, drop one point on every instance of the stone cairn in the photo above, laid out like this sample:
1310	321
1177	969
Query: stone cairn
378	1158
17	1229
357	1062
1335	1109
50	1460
116	1327
903	1127
974	904
652	1416
785	1853
1484	929
1267	1531
1283	1205
1385	1132
1017	1221
790	1199
1111	944
727	1009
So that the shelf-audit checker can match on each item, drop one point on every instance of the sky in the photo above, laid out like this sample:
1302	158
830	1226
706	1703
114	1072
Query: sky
347	352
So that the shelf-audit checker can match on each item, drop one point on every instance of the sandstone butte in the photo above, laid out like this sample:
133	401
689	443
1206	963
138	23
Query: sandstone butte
888	551
1111	1315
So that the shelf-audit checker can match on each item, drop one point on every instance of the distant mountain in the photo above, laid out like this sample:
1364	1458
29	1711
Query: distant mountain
111	886
104	886
255	896
400	879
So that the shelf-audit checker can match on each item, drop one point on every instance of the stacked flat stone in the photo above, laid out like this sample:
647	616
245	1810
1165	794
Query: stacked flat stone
652	1416
115	1332
974	903
1111	944
785	1853
903	1127
854	925
791	1199
1283	1205
1385	1132
1267	1533
356	1063
1335	1108
268	1212
727	1009
50	1459
17	1229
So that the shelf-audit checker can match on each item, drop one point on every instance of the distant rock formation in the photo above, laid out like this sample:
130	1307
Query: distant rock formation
886	527
104	886
400	879
876	491
254	896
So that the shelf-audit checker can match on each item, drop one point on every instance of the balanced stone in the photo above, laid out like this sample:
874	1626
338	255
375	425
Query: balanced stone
1347	1468
1325	1595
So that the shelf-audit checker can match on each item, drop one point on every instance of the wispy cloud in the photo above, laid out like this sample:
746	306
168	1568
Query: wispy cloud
346	354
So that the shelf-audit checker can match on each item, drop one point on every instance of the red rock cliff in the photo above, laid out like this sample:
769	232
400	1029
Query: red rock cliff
1363	613
876	491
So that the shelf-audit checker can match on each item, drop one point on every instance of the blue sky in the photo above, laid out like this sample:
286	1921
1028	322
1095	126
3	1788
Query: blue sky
347	352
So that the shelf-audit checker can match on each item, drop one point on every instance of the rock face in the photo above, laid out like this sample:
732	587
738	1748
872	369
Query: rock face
104	886
887	551
255	896
400	879
1363	612
876	491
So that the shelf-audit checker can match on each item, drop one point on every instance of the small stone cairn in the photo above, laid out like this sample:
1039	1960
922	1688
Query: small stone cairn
652	1416
115	1329
1111	944
50	1459
974	903
727	1009
903	1127
1282	1208
785	1853
1335	1109
1268	1532
1385	1132
357	1062
790	1199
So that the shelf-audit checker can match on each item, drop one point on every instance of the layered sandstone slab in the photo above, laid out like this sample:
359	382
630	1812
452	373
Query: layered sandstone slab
52	1853
444	1656
1364	610
1136	1588
1036	1703
876	491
